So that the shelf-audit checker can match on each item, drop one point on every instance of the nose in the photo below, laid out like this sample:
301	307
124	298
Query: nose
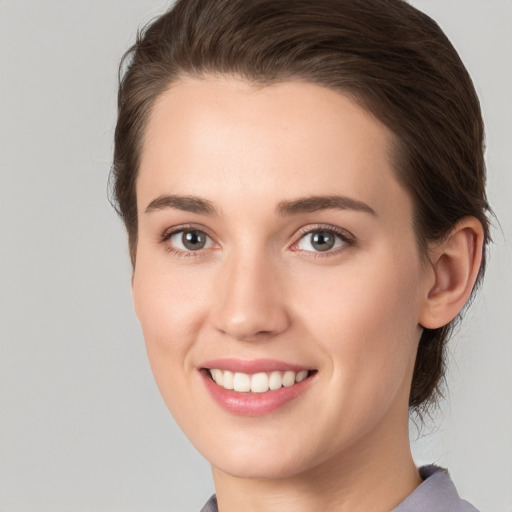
250	303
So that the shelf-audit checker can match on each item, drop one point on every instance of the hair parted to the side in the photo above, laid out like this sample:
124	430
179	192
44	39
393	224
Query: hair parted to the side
386	55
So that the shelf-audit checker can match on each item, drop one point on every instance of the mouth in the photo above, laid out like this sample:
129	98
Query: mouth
255	388
261	382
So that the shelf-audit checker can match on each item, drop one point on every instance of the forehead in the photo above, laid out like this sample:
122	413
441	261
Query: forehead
222	137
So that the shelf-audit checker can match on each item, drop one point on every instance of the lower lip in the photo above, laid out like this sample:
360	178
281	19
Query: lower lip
254	404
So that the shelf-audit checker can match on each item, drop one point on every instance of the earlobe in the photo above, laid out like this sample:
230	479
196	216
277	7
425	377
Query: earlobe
455	262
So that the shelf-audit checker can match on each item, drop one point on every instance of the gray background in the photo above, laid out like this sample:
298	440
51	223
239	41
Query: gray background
82	426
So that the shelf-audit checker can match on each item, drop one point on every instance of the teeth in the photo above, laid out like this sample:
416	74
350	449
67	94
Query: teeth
275	380
288	379
301	376
218	376
257	382
226	381
242	382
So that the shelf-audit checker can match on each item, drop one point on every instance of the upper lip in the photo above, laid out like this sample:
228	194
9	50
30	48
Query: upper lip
253	365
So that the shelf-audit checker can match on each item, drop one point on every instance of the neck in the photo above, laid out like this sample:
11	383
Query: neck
376	475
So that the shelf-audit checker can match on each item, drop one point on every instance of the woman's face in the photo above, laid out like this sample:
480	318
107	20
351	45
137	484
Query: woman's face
276	245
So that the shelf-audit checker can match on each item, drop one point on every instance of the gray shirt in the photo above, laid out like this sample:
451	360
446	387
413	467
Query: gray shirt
436	494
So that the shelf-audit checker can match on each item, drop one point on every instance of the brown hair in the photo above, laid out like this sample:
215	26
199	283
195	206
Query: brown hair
389	57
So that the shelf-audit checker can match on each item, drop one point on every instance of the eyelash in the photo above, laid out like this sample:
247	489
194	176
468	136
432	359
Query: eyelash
169	233
346	237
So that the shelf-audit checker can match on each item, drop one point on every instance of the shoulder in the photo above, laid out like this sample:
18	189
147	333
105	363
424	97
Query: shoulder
436	493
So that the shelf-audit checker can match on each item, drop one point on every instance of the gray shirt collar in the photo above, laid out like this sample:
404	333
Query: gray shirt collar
436	493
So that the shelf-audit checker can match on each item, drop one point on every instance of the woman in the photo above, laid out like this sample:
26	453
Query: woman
302	185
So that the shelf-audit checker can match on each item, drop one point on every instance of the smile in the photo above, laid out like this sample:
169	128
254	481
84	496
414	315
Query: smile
257	387
257	382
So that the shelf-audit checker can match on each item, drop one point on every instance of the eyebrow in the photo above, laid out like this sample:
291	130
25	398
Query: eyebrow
299	206
186	203
312	204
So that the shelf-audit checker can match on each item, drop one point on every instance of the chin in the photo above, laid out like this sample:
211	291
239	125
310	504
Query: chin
261	460
270	467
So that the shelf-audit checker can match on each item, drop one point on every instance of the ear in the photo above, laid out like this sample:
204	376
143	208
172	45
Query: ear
455	263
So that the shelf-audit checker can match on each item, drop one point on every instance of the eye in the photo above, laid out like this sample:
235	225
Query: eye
189	240
321	240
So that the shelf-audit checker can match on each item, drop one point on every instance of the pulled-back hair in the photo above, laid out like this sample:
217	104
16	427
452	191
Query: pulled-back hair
390	58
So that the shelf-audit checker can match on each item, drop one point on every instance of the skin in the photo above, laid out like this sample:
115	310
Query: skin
259	290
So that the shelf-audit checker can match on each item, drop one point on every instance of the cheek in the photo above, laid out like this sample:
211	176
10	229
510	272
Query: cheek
362	298
365	320
162	295
170	307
